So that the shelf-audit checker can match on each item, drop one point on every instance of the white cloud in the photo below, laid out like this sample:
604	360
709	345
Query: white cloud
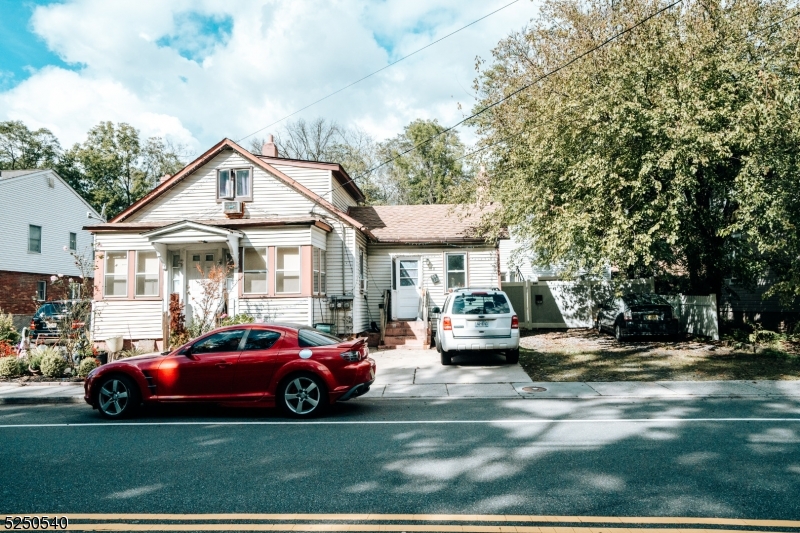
148	64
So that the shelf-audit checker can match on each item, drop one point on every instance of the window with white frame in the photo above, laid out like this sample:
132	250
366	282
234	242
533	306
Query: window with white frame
74	290
254	266
116	274
73	241
41	290
456	270
319	270
235	184
146	274
35	239
287	270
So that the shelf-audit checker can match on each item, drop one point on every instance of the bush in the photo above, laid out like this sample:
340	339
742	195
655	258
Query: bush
87	365
35	360
133	352
8	333
9	367
241	318
53	363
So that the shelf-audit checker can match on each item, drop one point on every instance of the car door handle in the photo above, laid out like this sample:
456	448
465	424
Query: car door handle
223	364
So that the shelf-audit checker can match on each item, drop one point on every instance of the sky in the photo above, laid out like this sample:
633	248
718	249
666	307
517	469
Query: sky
197	71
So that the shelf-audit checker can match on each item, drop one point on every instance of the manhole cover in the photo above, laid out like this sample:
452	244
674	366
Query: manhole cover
534	389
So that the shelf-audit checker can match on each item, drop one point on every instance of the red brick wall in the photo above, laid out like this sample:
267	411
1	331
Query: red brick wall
18	290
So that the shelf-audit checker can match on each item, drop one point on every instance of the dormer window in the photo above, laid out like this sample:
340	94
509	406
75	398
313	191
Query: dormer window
235	184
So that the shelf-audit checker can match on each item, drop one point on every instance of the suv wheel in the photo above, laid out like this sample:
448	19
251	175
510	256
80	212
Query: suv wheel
512	357
618	333
447	358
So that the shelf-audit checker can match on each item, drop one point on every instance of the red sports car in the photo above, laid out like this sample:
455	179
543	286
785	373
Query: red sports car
299	369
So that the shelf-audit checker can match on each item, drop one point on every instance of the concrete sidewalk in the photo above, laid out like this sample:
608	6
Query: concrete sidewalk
406	374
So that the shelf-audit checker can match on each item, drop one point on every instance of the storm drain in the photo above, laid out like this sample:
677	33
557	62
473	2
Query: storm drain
533	389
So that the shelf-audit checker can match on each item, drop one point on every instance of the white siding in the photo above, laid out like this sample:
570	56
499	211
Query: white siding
361	311
59	210
319	237
341	198
318	180
482	270
291	236
294	310
195	197
121	241
130	319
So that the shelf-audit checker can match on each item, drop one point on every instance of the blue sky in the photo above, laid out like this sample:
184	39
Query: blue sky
22	49
195	71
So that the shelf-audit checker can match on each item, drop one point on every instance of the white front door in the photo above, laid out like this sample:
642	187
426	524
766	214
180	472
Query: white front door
408	293
200	305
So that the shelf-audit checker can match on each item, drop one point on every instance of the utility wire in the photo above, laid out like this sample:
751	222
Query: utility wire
377	71
514	93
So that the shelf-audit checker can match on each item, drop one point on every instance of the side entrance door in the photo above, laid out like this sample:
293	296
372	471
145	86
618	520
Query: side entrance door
408	290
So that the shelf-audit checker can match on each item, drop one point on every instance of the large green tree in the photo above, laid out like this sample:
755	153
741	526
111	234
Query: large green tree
22	148
113	168
426	164
672	150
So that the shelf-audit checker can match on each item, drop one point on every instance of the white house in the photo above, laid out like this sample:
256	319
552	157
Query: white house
41	221
301	248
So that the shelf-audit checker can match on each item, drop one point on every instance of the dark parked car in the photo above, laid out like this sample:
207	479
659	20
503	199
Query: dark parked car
295	368
46	323
637	314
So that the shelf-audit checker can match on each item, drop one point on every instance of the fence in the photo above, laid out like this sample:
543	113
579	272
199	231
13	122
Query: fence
573	304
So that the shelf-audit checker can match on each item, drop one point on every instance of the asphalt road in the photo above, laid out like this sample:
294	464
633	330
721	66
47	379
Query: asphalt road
707	458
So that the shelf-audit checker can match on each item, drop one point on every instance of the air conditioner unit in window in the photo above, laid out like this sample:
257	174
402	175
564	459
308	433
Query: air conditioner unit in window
232	208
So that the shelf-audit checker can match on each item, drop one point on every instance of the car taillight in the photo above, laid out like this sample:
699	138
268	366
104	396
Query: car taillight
514	322
351	356
33	324
447	324
628	315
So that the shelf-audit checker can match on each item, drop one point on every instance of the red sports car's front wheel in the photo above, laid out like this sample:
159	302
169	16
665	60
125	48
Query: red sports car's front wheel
303	395
117	397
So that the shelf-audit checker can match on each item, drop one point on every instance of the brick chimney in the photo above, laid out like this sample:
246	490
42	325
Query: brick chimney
269	149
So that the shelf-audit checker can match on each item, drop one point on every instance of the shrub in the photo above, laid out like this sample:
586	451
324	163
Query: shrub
8	332
87	365
9	367
6	349
53	363
133	352
35	360
241	318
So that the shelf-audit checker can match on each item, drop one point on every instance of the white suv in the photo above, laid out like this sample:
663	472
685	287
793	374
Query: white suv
477	320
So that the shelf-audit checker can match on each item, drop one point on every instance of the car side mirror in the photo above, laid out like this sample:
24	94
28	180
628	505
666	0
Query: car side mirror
436	310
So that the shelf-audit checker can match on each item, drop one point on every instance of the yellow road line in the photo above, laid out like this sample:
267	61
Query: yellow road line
432	528
442	518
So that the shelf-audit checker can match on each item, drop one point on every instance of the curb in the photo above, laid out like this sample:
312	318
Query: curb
33	400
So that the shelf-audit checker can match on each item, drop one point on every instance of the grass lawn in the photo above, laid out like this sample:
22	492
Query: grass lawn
585	355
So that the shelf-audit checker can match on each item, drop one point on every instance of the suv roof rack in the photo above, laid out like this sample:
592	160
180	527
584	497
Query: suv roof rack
465	289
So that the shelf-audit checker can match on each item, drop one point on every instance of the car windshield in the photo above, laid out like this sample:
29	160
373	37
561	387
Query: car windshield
312	337
480	304
645	299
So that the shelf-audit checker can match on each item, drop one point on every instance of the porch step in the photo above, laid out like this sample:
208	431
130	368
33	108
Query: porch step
402	341
414	346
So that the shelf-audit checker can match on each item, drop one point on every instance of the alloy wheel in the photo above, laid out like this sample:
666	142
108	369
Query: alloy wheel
114	397
302	395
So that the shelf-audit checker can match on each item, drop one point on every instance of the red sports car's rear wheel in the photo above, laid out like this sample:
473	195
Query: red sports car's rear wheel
303	395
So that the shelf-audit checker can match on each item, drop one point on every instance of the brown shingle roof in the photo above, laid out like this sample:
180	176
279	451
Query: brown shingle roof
420	223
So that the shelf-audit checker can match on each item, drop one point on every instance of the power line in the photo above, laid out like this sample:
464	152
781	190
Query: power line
377	71
514	93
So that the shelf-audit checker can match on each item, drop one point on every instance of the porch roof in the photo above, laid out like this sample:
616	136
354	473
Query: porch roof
420	224
230	223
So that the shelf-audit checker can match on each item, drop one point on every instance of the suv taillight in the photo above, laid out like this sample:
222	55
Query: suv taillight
447	324
33	324
514	322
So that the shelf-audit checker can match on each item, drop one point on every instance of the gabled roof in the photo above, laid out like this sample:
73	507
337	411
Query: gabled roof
421	224
227	144
9	176
339	173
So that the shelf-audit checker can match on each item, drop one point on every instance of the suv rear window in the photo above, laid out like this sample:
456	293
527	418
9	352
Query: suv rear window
644	299
480	304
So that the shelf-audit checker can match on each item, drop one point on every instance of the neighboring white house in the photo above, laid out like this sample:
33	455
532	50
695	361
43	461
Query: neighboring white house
40	216
302	249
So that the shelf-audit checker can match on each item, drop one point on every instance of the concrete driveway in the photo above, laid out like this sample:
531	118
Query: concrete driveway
420	374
